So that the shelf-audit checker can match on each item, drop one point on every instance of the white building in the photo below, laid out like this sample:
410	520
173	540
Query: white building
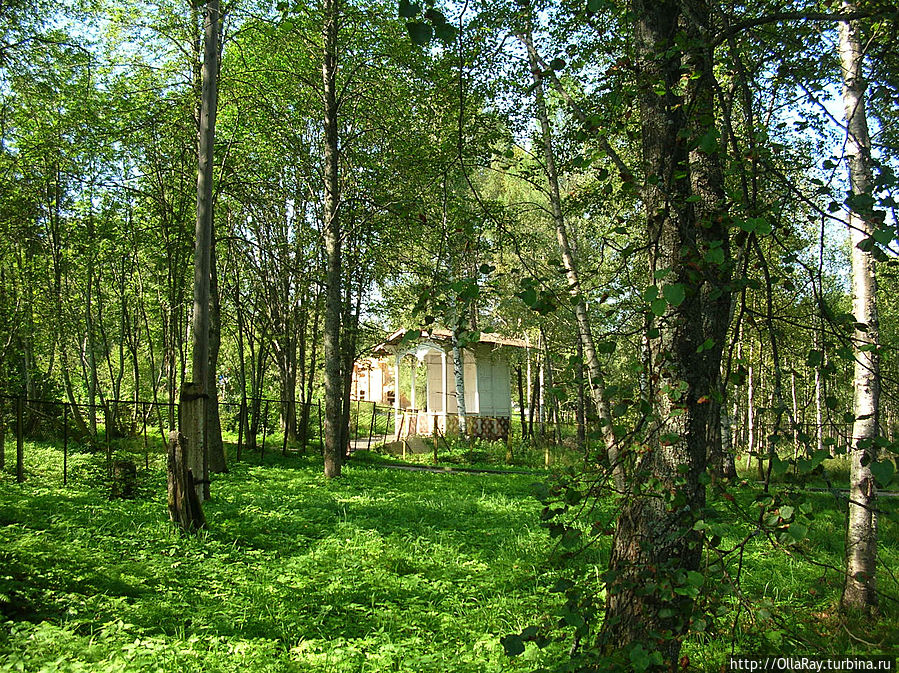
487	383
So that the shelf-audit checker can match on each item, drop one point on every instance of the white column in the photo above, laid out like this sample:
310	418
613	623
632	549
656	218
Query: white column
412	385
445	391
396	396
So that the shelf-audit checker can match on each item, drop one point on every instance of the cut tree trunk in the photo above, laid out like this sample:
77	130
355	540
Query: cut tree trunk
185	509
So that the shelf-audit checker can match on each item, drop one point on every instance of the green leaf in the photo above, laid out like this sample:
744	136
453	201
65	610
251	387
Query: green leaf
797	531
705	345
512	644
607	347
883	471
708	144
814	358
658	306
779	466
651	293
435	16
529	296
639	658
674	294
715	256
420	33
409	9
695	579
557	63
884	236
661	273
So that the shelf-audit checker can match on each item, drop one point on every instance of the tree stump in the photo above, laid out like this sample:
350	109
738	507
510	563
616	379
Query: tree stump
185	509
124	479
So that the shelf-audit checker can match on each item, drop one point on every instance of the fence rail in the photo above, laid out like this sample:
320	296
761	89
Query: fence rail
140	428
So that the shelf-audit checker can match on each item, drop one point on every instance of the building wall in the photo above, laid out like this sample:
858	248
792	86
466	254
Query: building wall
488	389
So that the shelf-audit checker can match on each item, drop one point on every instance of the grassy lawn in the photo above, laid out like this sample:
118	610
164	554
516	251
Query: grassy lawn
381	570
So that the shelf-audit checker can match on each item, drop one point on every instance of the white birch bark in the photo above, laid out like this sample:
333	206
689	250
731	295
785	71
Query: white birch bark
585	332
859	591
459	374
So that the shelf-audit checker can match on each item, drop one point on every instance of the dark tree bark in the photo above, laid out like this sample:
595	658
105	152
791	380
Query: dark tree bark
198	443
217	459
185	508
333	430
654	539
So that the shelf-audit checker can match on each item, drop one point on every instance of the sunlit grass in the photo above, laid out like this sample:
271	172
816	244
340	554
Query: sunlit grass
381	570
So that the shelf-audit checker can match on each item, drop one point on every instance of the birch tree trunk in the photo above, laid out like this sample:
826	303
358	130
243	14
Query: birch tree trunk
459	375
859	591
332	233
585	332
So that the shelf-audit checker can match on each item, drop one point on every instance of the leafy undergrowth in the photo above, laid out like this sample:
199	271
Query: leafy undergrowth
452	451
381	570
378	571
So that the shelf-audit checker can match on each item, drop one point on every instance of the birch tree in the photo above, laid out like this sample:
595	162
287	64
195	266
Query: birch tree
859	591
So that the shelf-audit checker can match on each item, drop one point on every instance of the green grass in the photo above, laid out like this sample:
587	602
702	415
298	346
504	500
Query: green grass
382	570
377	571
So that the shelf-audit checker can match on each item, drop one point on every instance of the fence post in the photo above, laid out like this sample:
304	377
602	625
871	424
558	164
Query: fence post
2	437
371	429
264	432
108	445
241	417
65	444
286	425
20	439
321	440
146	415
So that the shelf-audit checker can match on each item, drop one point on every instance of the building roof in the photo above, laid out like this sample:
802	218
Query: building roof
445	336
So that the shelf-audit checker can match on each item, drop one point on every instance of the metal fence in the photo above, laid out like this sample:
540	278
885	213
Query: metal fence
135	430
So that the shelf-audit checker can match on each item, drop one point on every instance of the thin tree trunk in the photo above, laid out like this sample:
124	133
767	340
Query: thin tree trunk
795	414
198	446
585	332
459	374
859	591
333	431
218	462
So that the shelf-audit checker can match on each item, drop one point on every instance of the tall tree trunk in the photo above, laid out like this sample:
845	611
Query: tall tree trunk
459	375
859	591
198	446
585	331
654	538
217	459
310	381
521	404
333	431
